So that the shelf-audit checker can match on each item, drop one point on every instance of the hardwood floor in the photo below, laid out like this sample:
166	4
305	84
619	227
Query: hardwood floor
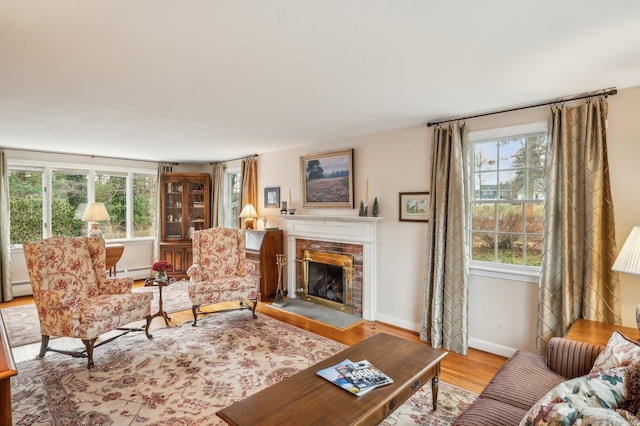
471	372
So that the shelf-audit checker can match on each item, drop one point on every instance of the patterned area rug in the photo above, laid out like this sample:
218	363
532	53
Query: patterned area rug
23	327
185	374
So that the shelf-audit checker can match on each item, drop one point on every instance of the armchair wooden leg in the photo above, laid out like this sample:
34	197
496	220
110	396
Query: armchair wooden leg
44	346
194	309
146	327
88	344
253	309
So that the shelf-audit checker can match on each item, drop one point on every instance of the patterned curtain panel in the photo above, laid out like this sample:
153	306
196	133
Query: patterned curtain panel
249	194
217	195
446	306
6	293
579	235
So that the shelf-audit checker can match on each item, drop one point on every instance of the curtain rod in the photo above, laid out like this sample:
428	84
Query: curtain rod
233	159
604	92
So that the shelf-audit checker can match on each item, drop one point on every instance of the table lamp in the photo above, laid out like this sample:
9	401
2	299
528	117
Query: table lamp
248	213
628	260
95	212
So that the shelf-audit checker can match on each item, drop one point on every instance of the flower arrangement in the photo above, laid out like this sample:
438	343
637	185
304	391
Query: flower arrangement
162	265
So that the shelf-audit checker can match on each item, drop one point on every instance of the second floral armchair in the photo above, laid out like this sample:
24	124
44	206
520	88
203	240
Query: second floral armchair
220	272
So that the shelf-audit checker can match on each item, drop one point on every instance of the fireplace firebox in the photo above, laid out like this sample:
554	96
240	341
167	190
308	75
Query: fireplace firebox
327	279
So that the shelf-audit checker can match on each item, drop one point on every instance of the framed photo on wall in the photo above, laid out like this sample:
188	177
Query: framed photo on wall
414	207
327	179
272	197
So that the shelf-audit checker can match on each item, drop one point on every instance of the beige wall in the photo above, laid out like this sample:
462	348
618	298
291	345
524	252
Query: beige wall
624	163
503	311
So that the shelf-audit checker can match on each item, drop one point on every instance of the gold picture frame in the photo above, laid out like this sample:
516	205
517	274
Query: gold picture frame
327	179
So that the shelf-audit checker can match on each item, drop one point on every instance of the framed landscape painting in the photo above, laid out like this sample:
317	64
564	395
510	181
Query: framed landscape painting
327	179
414	207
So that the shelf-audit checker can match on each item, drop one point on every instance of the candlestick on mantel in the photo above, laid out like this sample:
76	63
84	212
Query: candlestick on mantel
366	189
289	196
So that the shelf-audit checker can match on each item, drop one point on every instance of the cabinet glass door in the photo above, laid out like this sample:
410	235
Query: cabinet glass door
173	211
196	214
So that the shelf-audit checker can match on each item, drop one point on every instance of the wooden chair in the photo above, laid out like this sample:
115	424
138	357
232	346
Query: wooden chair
220	272
74	296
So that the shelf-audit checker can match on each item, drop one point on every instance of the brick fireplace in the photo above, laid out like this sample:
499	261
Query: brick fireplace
353	237
330	274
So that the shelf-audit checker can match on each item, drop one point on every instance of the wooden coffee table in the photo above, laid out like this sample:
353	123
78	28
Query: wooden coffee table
307	399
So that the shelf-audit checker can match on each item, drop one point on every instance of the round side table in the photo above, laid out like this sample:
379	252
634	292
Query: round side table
151	282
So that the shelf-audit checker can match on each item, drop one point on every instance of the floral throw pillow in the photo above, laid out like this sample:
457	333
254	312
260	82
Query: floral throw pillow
606	417
620	351
584	400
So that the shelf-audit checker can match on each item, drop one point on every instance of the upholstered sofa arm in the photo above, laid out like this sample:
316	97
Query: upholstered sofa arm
194	272
57	299
571	358
245	268
113	285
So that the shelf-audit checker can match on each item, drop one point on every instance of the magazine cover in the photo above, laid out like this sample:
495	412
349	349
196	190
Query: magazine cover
334	376
363	375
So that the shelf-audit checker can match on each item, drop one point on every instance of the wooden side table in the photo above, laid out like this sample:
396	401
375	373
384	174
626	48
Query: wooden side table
114	253
598	332
151	282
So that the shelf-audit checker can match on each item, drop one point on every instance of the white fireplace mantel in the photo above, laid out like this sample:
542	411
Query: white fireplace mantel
341	229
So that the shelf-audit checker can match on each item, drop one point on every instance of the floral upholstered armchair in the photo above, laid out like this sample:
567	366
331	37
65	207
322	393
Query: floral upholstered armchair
220	272
74	296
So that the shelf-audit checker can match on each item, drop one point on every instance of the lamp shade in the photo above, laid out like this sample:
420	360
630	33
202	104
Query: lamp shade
248	211
95	212
628	259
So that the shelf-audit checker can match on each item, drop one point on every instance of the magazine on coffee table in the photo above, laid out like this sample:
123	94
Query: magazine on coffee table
357	378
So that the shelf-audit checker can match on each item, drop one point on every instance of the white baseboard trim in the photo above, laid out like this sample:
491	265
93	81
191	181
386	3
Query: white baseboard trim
481	345
407	325
139	273
490	347
21	289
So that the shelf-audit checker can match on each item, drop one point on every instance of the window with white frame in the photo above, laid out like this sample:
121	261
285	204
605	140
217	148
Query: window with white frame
69	194
50	200
232	182
507	195
26	199
145	195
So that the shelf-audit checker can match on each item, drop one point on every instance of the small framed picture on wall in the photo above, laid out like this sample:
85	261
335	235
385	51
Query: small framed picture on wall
272	197
414	207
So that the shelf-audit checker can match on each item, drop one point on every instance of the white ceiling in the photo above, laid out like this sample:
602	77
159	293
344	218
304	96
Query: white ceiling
204	80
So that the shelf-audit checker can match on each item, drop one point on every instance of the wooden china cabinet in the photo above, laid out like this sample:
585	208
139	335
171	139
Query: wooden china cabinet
184	208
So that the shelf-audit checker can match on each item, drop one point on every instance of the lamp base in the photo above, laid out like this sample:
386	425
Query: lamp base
638	317
95	231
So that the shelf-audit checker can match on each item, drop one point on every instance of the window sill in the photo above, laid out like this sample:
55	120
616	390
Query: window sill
528	275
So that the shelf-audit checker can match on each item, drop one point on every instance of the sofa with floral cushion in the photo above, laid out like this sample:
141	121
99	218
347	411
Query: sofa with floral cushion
576	383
